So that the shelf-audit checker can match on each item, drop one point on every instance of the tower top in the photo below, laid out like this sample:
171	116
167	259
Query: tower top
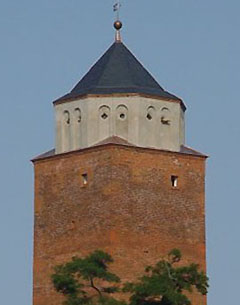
117	23
118	71
118	26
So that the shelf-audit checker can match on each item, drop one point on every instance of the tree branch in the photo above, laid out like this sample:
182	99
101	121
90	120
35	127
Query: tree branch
169	273
94	287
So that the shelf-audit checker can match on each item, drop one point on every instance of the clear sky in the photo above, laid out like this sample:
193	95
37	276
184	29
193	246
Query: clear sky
191	47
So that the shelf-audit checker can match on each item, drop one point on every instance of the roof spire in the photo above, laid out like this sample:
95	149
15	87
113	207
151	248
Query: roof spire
117	23
118	26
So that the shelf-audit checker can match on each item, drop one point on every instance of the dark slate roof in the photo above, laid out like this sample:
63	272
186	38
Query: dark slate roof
47	154
118	71
189	151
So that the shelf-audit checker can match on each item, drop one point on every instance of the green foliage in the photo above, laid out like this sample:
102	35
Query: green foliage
74	278
163	284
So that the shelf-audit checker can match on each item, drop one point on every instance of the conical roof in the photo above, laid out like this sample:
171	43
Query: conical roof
118	71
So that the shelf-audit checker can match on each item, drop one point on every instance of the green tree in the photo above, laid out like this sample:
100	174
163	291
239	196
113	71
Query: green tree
166	284
163	284
76	280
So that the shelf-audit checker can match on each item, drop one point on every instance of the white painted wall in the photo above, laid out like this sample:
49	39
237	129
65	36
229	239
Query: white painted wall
144	122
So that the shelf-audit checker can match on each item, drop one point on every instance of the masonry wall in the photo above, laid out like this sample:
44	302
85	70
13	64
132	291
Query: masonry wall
142	121
128	208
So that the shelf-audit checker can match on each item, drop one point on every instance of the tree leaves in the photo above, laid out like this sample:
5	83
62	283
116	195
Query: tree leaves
163	284
74	279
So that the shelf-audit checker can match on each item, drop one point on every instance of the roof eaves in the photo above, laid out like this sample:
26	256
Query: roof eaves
116	141
68	98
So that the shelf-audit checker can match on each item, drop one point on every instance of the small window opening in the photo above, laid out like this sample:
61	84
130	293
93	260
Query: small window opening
174	180
72	225
122	116
149	117
67	117
79	118
104	116
85	179
78	115
165	121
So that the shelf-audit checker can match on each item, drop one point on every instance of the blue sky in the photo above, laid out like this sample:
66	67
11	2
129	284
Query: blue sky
191	47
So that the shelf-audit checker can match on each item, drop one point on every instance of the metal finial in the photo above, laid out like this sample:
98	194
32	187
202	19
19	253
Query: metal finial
117	23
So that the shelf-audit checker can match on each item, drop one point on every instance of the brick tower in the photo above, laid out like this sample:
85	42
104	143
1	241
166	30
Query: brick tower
120	178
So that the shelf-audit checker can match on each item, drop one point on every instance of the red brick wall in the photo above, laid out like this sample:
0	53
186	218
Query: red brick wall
128	209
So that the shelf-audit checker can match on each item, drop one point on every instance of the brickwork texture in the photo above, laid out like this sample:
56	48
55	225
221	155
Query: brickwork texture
128	208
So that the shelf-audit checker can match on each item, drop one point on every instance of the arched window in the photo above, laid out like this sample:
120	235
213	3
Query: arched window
104	122
77	128
77	115
165	116
66	117
122	121
104	112
122	112
150	113
66	132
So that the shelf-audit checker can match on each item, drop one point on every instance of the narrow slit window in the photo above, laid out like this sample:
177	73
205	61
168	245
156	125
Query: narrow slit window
174	181
84	179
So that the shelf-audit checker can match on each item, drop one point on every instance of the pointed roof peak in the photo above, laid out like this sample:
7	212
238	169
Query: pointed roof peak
118	71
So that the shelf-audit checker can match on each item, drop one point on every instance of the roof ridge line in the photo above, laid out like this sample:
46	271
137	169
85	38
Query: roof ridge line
145	69
113	45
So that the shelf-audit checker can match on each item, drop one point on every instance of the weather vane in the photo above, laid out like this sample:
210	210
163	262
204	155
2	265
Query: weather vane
117	23
116	9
